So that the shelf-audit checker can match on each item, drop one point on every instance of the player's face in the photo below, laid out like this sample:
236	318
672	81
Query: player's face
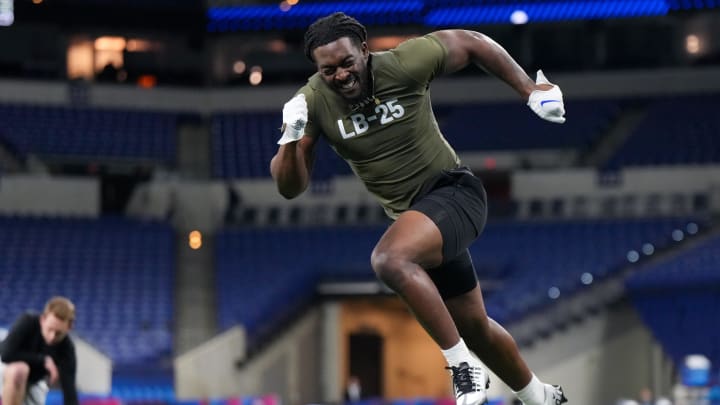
343	66
53	328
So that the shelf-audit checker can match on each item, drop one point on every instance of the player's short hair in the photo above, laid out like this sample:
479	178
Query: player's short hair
62	308
331	28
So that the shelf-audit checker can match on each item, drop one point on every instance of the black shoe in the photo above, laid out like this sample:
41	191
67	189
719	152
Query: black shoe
470	384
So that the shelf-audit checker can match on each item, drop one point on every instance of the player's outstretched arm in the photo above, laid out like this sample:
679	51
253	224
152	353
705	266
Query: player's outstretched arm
292	164
465	47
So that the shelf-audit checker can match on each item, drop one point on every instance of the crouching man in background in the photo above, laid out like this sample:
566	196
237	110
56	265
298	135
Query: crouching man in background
38	353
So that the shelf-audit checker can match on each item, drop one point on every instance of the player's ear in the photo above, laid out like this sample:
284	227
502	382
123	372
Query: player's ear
365	49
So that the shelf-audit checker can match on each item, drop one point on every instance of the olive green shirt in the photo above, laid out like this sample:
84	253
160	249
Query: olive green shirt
392	144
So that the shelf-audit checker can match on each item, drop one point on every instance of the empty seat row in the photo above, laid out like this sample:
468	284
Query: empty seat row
260	270
124	306
84	133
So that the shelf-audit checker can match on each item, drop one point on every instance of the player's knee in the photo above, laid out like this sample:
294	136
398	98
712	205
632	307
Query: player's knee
389	267
17	373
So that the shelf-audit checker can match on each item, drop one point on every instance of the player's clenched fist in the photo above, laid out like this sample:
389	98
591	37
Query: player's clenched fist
547	104
295	114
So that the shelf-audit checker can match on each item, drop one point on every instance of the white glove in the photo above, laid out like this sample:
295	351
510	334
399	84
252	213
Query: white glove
295	114
547	104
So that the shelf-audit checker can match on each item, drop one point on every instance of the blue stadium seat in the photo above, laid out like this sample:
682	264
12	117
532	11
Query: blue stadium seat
662	139
244	143
678	299
117	271
511	126
528	259
87	133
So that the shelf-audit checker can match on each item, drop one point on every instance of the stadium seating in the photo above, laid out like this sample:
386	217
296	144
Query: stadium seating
274	267
244	143
511	126
678	299
542	261
89	134
663	139
262	270
117	272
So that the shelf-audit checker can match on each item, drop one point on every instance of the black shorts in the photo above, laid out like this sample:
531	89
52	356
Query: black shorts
455	200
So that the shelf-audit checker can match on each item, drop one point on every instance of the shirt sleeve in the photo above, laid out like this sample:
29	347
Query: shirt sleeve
66	362
423	58
12	347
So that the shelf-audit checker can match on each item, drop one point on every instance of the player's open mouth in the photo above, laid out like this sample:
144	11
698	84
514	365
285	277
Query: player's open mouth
349	85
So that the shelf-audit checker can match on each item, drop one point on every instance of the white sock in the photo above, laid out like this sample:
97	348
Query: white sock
457	354
533	393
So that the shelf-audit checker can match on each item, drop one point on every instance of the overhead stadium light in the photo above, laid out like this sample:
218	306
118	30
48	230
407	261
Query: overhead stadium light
519	17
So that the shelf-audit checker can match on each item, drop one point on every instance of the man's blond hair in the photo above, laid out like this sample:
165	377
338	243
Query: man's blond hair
62	308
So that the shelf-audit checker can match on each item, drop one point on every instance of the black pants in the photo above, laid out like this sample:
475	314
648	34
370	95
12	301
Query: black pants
455	200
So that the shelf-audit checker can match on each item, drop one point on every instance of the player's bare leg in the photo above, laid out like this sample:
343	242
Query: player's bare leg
490	341
498	350
411	244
